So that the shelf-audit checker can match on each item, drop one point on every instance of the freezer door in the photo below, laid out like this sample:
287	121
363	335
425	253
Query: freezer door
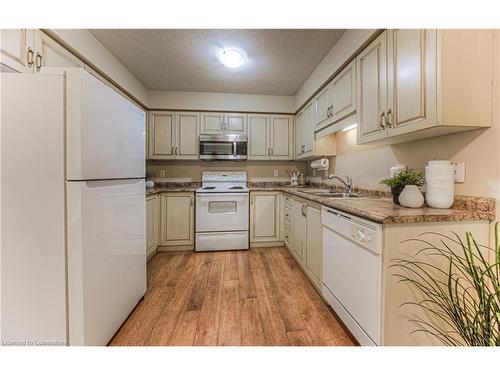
106	256
105	132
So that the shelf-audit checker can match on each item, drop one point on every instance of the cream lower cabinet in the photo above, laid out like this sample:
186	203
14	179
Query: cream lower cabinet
173	135
152	224
265	218
177	221
313	244
415	84
270	137
303	236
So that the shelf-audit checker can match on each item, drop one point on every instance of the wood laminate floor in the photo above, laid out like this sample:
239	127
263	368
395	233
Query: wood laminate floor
255	297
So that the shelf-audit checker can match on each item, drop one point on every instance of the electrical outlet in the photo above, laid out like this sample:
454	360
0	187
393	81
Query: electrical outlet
275	173
459	172
162	173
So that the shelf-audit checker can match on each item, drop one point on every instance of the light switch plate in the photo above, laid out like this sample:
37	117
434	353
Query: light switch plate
275	173
459	172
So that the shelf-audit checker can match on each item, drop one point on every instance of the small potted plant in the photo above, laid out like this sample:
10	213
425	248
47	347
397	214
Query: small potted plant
398	182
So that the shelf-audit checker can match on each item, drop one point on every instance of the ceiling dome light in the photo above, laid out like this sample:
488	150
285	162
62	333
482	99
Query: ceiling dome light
231	58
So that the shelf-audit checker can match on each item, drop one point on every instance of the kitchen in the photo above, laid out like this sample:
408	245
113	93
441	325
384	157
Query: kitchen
255	189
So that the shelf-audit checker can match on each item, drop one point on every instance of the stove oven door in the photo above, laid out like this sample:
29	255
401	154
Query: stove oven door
221	212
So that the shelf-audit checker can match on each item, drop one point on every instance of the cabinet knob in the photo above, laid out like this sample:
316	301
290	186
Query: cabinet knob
30	55
38	61
389	118
381	122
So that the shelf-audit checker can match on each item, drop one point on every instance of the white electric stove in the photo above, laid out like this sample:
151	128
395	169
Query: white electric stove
222	212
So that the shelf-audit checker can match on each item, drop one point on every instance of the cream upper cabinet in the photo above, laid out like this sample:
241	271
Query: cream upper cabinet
372	90
161	135
307	146
265	216
173	135
212	122
235	123
50	55
270	137
323	106
281	137
17	50
177	219
342	91
438	82
258	137
187	135
152	223
313	244
220	123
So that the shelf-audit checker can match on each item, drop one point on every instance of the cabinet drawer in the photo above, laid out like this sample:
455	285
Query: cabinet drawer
288	202
288	216
288	238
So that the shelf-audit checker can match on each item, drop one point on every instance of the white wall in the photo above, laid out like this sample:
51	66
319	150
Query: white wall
89	47
220	101
342	50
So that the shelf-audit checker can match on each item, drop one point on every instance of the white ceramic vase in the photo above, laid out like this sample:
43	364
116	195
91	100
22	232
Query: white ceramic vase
411	197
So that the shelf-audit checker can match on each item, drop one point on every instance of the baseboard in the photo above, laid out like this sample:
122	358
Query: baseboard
267	244
175	248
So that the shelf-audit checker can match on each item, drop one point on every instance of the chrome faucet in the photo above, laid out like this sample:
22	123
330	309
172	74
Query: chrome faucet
347	183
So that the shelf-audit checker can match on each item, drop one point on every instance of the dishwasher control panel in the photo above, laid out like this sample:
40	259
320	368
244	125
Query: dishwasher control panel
364	232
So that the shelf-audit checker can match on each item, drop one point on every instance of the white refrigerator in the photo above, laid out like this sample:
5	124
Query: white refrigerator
73	209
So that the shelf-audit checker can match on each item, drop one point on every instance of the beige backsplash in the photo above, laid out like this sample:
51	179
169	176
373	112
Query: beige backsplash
187	171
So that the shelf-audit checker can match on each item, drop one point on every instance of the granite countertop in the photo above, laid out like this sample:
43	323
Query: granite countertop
372	206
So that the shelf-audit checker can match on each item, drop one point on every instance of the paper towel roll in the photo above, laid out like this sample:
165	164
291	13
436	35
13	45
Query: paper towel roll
320	164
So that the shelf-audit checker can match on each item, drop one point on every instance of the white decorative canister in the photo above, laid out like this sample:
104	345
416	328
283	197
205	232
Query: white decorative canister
411	197
440	184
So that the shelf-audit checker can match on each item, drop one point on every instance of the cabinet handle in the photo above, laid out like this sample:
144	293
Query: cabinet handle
268	151
272	151
381	122
389	118
30	57
38	61
192	201
251	199
172	150
176	150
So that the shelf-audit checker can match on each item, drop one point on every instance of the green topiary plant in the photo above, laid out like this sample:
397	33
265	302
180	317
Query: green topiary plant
461	299
398	182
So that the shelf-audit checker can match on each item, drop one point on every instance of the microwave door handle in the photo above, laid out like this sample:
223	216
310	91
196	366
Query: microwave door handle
234	148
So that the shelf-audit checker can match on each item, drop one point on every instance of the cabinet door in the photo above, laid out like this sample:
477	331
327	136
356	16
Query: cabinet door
211	122
411	80
258	137
314	250
281	134
235	123
372	90
53	56
152	223
265	216
298	230
299	134
308	129
343	90
177	219
187	134
161	135
17	50
322	104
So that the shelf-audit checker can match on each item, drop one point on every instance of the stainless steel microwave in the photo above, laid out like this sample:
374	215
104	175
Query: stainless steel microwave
223	147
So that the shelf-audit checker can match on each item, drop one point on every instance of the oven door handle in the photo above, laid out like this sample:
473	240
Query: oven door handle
221	194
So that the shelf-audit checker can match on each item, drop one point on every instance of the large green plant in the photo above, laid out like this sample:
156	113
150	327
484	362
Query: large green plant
463	298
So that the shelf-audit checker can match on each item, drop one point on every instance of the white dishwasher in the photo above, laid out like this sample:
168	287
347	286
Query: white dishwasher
352	272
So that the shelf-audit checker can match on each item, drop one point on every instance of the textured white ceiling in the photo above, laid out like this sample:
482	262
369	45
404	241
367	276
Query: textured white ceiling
278	61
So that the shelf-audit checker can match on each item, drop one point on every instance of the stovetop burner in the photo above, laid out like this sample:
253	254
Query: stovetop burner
236	188
208	188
